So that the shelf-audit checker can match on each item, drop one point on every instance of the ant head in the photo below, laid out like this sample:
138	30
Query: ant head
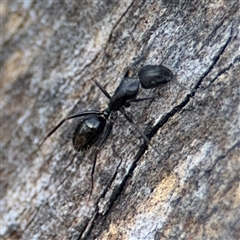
87	132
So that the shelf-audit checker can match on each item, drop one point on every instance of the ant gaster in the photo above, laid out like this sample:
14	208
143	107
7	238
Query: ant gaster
95	126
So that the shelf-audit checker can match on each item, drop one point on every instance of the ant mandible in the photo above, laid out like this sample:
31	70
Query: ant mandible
96	126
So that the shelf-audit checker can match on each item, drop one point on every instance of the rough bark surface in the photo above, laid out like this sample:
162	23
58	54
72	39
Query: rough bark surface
50	51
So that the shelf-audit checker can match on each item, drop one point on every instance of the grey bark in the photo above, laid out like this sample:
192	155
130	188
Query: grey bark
51	51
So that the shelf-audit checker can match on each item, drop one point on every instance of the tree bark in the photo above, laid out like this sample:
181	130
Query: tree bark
189	188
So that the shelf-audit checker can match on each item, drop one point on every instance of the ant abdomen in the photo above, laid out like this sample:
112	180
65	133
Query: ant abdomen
153	76
87	132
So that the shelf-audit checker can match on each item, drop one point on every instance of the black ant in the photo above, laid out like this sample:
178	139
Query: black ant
95	126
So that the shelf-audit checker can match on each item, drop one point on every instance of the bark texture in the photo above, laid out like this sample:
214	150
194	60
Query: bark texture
50	51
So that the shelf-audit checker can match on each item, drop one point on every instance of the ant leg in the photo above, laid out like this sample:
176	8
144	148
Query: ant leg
67	118
102	89
139	130
104	139
142	134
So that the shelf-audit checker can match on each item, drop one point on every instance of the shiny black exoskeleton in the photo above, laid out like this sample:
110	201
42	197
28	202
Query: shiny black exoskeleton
95	126
87	131
152	76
